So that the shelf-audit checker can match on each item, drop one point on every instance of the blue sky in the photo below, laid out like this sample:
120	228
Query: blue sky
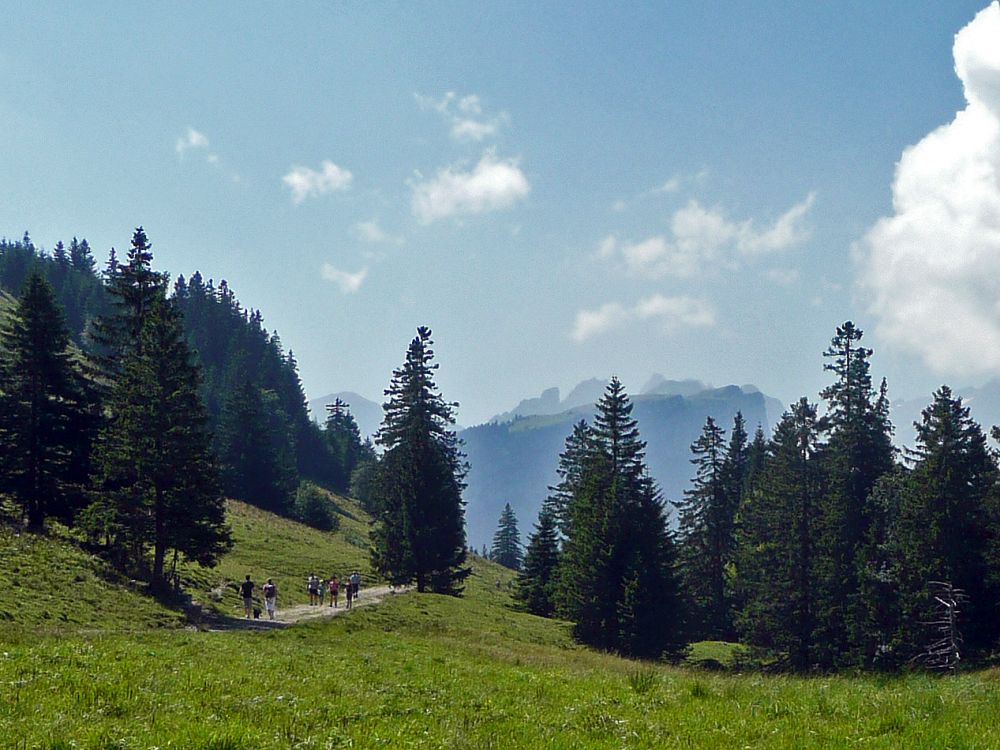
560	191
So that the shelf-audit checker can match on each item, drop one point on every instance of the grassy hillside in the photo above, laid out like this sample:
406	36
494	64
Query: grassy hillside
417	671
47	584
267	546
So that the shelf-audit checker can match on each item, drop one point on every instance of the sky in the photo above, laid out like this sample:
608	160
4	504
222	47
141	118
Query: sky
559	190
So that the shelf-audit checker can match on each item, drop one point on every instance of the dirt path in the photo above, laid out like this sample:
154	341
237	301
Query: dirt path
285	617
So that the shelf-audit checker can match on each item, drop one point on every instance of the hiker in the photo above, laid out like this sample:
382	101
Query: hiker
313	585
350	594
270	597
334	588
246	591
356	583
322	592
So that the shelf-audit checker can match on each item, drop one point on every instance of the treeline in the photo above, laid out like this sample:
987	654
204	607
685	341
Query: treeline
818	546
164	404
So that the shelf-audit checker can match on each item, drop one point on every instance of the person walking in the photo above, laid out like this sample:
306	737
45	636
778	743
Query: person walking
270	597
350	594
356	583
322	592
246	591
313	585
334	590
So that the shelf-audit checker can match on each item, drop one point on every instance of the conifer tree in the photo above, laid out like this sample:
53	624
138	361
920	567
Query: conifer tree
616	576
706	521
506	548
154	455
948	525
573	462
537	578
420	532
344	438
46	419
254	447
777	551
859	451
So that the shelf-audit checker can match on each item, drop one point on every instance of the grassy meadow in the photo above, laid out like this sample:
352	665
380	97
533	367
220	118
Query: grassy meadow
417	671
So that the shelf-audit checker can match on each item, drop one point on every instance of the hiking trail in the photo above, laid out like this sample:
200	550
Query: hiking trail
288	616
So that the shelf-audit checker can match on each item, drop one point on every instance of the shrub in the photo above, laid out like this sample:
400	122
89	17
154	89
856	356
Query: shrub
313	508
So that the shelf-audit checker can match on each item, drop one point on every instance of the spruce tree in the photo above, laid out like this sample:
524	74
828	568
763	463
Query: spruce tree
859	451
46	419
538	574
573	463
419	533
506	548
254	448
344	439
617	578
706	524
154	456
778	572
948	526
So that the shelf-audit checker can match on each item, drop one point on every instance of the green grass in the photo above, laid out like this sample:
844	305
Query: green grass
267	546
47	584
417	671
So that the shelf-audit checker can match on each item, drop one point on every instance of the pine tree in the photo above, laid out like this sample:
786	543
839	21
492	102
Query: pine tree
154	455
420	532
948	525
541	559
134	288
779	530
344	438
706	519
506	548
46	419
616	573
859	451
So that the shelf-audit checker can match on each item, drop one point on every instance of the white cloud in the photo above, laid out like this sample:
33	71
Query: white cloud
670	312
193	139
348	282
701	238
305	182
372	233
932	270
491	185
465	116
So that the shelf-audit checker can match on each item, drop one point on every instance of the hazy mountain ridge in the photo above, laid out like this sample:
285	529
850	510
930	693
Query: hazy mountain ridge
515	460
366	412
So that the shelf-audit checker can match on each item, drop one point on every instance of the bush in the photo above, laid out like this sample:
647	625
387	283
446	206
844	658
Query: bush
313	508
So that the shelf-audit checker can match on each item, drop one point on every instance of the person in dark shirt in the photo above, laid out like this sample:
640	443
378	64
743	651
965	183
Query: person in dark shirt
246	591
270	597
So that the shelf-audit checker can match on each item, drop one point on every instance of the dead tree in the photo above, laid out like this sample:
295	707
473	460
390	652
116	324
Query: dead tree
945	649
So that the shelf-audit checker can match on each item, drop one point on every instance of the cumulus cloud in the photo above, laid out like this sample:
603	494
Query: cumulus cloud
348	282
932	268
306	183
701	238
193	139
491	185
372	233
465	116
670	312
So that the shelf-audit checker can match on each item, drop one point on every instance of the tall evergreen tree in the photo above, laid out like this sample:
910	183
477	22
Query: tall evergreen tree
46	419
254	447
948	524
617	579
573	463
507	548
420	531
706	519
154	455
537	578
859	451
777	565
344	438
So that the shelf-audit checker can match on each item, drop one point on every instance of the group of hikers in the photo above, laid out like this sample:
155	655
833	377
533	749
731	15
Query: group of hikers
317	589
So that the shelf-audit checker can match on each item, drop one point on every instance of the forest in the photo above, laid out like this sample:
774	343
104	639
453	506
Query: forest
131	407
